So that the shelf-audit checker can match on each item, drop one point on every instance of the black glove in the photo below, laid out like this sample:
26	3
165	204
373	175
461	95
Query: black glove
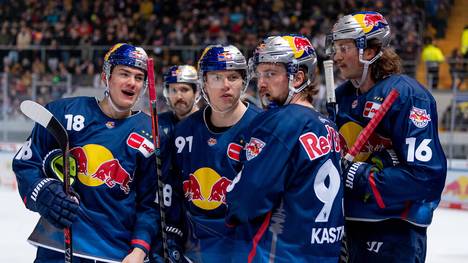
53	204
355	177
356	174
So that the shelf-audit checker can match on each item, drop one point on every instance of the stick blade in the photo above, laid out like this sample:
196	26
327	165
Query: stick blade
36	112
41	115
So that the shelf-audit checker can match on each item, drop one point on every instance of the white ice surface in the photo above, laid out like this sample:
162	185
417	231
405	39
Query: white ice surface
447	236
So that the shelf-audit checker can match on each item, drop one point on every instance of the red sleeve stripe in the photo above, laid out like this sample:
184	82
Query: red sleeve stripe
375	191
141	243
258	236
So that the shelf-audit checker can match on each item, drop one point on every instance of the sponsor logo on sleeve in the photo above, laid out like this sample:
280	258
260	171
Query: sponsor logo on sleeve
419	117
253	148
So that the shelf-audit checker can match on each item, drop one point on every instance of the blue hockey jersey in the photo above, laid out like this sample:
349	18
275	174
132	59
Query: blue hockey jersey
173	210
115	180
291	178
411	190
207	162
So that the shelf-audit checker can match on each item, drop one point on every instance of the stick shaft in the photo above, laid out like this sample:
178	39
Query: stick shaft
372	125
156	141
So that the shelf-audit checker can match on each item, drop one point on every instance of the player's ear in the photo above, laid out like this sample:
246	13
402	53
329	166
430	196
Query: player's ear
299	78
369	53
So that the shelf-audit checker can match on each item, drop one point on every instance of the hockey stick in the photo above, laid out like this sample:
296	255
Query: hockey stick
370	127
330	89
156	141
41	115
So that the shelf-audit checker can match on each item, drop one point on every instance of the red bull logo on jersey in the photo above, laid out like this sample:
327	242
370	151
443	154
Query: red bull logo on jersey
192	189
317	146
419	117
212	141
349	133
233	151
97	166
253	148
206	189
143	145
370	108
110	124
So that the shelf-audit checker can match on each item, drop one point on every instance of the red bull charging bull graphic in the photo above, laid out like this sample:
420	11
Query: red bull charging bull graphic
96	166
206	189
455	194
419	117
370	21
300	46
348	135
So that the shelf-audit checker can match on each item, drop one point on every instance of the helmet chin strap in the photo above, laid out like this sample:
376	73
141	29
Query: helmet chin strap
367	63
293	90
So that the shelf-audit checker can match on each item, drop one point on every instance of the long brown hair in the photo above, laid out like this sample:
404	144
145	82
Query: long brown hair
389	63
311	90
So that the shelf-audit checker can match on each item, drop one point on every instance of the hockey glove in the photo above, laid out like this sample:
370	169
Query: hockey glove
53	204
53	165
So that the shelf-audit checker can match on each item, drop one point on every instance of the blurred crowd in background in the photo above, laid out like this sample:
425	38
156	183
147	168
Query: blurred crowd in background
55	45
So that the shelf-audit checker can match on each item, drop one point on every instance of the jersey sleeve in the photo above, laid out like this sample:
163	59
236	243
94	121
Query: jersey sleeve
259	185
147	211
420	174
27	163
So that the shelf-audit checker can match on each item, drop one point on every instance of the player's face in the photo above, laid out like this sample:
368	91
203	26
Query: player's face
181	97
223	88
125	85
347	59
272	81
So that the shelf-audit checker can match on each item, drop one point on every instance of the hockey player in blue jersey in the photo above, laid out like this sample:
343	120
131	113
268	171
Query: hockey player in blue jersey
181	93
207	156
395	184
291	176
116	217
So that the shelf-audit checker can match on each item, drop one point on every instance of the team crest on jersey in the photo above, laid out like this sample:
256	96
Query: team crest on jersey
370	108
419	117
110	124
354	104
253	148
212	141
233	151
143	145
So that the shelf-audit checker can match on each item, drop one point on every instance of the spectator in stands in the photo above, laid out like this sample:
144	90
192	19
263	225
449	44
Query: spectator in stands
464	49
432	56
56	23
